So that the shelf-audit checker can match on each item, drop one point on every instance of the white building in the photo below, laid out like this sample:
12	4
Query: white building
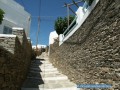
39	46
15	16
52	37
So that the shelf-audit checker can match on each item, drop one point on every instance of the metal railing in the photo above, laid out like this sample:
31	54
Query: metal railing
70	27
74	23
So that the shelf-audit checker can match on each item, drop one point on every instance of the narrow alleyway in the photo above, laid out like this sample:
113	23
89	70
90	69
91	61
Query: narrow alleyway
44	76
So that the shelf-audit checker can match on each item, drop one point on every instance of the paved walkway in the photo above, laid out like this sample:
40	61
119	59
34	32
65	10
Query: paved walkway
44	76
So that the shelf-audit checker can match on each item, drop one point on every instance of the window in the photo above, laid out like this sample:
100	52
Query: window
7	30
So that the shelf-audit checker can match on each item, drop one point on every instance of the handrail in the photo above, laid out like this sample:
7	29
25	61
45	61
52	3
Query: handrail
68	29
70	26
80	20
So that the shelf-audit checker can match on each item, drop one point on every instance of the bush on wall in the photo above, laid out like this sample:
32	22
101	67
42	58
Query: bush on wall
1	15
61	24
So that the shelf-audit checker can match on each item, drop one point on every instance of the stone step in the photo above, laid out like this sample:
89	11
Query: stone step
48	72
35	69
54	87
41	76
32	83
36	62
47	64
51	78
37	84
70	88
38	59
45	87
42	62
43	66
43	69
56	81
44	76
46	58
48	69
32	74
55	76
46	61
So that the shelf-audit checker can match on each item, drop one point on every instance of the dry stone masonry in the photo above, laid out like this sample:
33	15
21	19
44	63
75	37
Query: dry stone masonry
8	42
15	58
92	54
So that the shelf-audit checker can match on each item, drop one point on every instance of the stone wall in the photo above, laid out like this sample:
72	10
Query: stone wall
8	42
15	58
92	54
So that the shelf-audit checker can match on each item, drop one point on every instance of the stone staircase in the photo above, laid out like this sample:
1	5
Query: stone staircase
44	76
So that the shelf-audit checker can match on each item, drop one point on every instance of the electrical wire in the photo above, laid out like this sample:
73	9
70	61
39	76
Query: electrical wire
38	31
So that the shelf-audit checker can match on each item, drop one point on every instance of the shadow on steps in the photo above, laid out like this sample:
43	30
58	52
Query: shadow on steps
34	78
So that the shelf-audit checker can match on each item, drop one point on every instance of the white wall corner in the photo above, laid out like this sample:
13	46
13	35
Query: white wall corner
17	28
61	36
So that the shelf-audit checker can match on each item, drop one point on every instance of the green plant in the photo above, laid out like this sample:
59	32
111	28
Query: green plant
1	15
61	24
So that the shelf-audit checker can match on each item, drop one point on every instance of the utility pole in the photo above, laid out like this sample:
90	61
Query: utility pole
38	31
68	14
38	24
74	3
70	9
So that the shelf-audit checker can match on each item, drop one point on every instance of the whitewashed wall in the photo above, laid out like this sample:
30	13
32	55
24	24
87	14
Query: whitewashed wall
15	16
52	37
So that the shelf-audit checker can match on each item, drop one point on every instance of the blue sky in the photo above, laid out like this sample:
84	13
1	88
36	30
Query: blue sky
50	10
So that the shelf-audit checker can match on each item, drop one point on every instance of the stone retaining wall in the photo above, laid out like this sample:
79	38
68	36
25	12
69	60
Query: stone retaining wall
8	42
92	54
15	58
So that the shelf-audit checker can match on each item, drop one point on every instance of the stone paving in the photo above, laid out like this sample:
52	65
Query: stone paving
44	76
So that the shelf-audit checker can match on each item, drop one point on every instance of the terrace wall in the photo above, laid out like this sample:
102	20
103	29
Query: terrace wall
92	54
15	58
